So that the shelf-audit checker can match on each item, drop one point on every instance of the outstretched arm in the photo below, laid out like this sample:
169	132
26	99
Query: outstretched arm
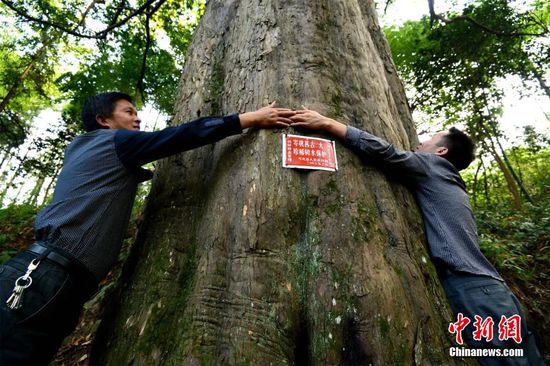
313	120
364	143
267	117
135	148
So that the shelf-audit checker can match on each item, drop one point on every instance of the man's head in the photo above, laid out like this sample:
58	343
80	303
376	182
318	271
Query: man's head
110	110
454	145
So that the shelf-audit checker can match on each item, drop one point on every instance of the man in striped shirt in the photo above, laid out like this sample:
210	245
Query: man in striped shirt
79	234
472	284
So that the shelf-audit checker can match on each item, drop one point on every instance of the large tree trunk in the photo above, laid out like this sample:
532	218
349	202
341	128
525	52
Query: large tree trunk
240	261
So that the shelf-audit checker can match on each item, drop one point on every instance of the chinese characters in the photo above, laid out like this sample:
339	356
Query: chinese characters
308	153
508	328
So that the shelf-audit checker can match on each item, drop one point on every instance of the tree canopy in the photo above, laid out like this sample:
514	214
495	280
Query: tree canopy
57	53
452	63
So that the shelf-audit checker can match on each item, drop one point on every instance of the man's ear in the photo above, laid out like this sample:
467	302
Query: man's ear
102	121
441	151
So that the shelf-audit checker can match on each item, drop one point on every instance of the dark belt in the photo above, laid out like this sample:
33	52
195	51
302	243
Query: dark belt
74	266
53	256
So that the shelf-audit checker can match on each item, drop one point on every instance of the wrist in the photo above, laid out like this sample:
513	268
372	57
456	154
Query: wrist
327	124
336	128
247	120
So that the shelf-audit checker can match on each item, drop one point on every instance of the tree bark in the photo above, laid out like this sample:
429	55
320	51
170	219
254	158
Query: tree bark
240	261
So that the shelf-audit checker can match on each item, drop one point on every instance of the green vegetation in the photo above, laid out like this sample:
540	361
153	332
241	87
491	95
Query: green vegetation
453	65
516	241
15	229
56	54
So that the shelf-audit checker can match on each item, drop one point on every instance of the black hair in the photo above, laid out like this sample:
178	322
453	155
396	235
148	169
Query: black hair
102	104
461	148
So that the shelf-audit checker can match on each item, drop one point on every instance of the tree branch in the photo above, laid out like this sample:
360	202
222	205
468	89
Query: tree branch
98	35
133	14
434	16
140	86
117	12
388	3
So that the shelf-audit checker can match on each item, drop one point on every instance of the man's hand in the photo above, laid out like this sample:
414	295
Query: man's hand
267	117
313	120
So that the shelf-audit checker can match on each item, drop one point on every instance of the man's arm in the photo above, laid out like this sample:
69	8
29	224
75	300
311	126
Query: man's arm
135	148
364	143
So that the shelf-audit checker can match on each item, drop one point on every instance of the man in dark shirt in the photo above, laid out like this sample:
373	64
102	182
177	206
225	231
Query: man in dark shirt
472	284
79	234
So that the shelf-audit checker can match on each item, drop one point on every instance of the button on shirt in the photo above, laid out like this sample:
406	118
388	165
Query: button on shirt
440	192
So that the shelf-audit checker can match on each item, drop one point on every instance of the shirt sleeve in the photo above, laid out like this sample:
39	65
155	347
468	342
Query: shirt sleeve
397	162
135	148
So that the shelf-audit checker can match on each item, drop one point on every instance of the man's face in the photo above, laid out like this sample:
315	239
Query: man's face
433	145
123	117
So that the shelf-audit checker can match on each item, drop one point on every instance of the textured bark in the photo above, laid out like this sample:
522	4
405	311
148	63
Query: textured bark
240	261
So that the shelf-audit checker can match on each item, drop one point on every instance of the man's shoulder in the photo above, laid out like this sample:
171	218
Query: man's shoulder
95	134
97	139
443	170
437	162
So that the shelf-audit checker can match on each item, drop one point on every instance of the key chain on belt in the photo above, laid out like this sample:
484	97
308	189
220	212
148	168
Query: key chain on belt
15	301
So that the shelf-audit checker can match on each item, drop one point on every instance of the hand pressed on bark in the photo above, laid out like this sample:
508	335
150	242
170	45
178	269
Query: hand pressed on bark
267	117
310	119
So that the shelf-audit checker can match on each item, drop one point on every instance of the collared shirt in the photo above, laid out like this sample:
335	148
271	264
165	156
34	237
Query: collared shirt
95	191
440	192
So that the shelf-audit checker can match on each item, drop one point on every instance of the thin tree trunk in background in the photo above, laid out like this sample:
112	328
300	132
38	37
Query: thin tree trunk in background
33	195
518	164
475	185
486	187
50	185
540	78
240	261
513	172
510	182
493	133
18	194
15	174
6	158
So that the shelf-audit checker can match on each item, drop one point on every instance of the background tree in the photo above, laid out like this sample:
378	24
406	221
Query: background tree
240	261
452	63
518	242
139	47
58	53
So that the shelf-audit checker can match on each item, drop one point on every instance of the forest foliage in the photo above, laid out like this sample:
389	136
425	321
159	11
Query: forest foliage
453	65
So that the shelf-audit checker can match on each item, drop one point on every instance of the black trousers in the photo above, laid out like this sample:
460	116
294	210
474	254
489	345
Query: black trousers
32	334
